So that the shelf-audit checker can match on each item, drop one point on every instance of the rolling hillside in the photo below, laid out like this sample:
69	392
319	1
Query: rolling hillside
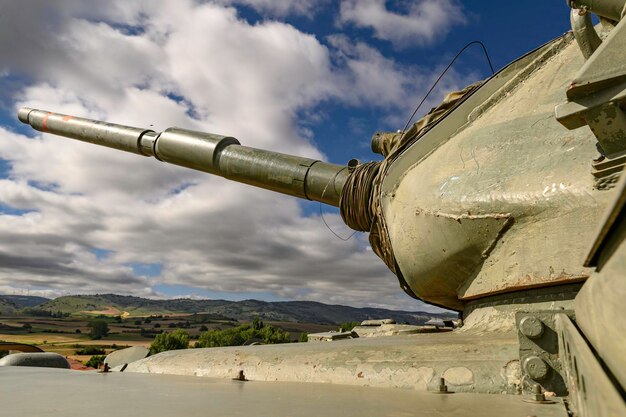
21	301
294	311
7	307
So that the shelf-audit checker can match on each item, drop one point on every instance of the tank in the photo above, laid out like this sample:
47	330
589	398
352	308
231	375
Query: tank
504	203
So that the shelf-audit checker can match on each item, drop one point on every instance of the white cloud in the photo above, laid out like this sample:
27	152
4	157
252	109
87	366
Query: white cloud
197	66
423	22
388	84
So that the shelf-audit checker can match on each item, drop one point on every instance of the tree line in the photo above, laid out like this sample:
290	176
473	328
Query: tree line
257	332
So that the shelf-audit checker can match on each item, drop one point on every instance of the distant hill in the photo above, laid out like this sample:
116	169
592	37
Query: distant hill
7	307
293	311
21	301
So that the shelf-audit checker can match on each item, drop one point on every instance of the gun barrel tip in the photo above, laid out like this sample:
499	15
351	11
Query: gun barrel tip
23	113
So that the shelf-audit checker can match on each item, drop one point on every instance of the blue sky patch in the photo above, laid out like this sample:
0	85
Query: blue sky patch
101	253
12	211
146	269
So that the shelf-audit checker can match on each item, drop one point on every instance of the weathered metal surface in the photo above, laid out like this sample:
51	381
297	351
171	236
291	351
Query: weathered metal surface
124	138
195	150
544	298
607	169
328	336
35	392
384	330
611	9
214	154
535	367
545	192
608	124
37	359
584	32
377	322
538	396
469	362
539	350
126	356
591	391
603	68
600	305
608	232
531	327
572	114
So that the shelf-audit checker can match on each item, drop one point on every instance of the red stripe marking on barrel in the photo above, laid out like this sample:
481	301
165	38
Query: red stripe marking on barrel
44	122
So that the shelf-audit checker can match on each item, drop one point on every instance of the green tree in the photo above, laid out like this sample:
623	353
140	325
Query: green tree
95	361
90	350
236	336
178	339
98	329
257	324
304	337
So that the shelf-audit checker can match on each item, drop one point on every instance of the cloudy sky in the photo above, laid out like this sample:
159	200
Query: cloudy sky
312	78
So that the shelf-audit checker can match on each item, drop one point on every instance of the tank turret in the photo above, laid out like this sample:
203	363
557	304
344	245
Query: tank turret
472	201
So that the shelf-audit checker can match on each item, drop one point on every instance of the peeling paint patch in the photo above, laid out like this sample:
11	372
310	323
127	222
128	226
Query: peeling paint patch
459	376
487	320
512	375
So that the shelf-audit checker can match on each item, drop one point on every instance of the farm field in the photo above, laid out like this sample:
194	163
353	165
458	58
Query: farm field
66	335
62	325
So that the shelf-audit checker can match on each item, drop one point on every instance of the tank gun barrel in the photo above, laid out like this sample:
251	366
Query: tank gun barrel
215	154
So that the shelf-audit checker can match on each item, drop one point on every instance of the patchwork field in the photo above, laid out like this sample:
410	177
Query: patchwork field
68	334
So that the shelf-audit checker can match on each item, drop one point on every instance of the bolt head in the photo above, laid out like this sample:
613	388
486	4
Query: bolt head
531	327
536	367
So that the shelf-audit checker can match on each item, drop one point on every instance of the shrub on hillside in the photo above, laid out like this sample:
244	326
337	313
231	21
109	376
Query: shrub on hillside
237	336
98	329
90	350
178	339
95	361
36	312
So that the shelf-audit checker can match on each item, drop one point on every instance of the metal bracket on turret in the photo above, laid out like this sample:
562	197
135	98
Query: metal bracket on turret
539	350
597	98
